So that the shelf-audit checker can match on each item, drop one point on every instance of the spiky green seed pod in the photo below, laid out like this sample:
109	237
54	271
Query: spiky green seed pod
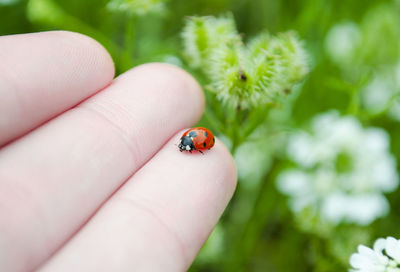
202	35
288	47
230	82
262	72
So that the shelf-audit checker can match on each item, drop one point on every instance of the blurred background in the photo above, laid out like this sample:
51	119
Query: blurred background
318	173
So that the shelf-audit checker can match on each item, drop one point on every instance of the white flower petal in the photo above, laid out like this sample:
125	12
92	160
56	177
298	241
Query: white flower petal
300	149
341	41
368	260
293	182
376	140
360	209
376	95
334	208
362	262
364	209
393	248
380	245
367	252
384	174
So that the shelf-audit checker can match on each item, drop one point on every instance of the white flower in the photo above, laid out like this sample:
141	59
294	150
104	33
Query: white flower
376	95
381	94
342	41
342	170
384	257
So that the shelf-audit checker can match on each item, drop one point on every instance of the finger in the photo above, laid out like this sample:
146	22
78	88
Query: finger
159	219
53	179
44	74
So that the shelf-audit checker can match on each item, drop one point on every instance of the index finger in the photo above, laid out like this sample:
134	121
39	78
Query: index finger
159	219
43	74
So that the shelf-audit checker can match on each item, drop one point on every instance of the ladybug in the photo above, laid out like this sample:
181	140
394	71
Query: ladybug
198	138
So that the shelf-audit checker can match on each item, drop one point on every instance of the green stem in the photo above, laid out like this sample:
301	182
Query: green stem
128	55
214	123
252	121
235	142
239	118
354	104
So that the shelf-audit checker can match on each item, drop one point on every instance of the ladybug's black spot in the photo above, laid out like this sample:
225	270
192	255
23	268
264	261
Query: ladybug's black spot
186	141
192	134
213	140
204	144
205	134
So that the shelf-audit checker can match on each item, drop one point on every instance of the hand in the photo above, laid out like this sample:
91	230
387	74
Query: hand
90	176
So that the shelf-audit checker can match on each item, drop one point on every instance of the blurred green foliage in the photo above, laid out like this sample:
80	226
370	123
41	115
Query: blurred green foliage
258	231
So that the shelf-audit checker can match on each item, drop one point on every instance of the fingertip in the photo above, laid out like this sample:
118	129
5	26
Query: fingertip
91	52
189	191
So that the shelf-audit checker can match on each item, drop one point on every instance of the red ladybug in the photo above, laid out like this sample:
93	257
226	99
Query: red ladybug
196	139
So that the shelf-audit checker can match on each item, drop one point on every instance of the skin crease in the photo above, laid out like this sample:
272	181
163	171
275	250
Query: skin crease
100	185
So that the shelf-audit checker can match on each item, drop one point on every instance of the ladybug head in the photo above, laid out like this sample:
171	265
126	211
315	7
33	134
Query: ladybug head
186	144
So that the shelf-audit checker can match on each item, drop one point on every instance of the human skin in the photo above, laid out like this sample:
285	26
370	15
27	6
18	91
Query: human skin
91	178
